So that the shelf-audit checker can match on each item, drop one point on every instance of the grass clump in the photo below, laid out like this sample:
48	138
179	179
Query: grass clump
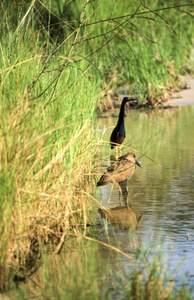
47	147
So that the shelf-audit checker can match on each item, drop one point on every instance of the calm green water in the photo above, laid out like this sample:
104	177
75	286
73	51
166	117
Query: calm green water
162	191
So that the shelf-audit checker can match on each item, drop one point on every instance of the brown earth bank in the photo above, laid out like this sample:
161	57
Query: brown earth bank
181	95
184	97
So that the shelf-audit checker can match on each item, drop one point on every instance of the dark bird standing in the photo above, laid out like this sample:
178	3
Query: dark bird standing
118	134
119	171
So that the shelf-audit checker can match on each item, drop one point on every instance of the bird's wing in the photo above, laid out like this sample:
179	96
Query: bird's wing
120	165
124	165
112	167
123	157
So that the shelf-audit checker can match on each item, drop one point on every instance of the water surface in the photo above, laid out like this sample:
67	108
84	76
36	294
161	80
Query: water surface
162	191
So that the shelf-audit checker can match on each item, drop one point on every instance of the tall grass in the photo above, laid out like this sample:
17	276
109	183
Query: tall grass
47	147
51	77
138	44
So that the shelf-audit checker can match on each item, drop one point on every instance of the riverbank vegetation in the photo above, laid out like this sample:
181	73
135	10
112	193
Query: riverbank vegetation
58	64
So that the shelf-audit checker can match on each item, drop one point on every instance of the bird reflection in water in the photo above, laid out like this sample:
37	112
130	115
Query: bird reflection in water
122	217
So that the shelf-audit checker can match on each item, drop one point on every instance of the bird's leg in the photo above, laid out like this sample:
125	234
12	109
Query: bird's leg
119	198
119	150
124	188
120	191
116	150
126	192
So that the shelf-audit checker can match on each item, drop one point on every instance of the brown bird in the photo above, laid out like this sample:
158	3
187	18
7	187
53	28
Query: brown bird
122	169
118	134
119	171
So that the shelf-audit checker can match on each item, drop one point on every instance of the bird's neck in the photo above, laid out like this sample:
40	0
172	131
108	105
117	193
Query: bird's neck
122	112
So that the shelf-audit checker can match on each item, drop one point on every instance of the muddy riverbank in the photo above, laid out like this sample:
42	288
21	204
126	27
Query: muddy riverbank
184	97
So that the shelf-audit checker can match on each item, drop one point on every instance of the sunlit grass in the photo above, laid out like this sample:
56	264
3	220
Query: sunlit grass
47	152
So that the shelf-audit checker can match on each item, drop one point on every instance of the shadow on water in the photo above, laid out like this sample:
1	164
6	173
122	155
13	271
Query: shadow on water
162	191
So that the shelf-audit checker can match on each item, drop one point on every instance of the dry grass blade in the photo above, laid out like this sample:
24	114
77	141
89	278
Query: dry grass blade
109	246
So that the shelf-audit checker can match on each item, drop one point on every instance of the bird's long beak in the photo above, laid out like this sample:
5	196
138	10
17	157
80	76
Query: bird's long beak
138	163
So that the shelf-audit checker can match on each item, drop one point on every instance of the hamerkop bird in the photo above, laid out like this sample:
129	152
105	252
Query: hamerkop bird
118	134
121	170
